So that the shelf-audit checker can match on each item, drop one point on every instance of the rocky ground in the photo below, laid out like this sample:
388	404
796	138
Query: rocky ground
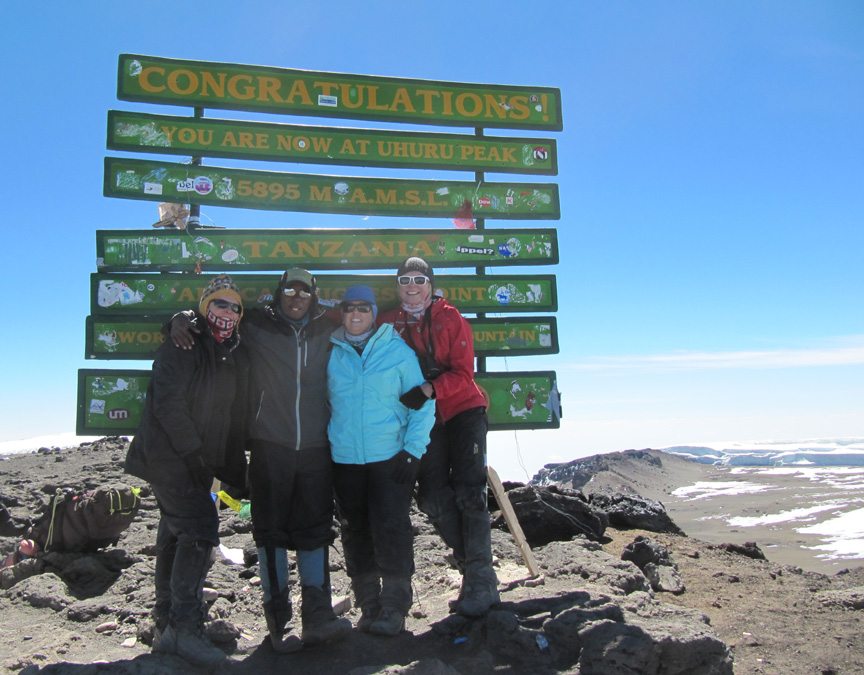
589	612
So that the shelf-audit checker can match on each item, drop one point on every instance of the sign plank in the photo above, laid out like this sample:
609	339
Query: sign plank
277	191
155	294
111	401
167	134
178	250
320	94
132	338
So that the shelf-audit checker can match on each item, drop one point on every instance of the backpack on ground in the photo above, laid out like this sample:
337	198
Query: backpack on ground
84	522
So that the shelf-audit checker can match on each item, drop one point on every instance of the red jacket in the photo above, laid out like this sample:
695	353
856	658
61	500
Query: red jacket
453	342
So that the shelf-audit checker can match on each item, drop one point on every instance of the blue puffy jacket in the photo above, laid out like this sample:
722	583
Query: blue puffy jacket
367	421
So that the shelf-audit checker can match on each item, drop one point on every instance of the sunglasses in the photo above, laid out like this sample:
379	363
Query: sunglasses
225	304
405	280
291	292
363	309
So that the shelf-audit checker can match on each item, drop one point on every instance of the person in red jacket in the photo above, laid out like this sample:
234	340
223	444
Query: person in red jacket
451	485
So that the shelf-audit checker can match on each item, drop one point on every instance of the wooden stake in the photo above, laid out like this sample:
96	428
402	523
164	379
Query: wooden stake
512	522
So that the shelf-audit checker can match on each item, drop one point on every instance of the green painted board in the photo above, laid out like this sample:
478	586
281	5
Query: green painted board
132	338
318	94
111	401
276	191
204	137
214	250
152	294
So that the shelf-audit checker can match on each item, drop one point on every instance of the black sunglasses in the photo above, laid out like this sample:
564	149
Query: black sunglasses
363	309
225	304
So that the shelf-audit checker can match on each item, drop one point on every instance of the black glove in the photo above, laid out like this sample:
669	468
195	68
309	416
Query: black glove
414	398
405	467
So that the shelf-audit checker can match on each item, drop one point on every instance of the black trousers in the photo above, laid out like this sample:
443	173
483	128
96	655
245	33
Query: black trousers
374	510
452	477
188	531
292	496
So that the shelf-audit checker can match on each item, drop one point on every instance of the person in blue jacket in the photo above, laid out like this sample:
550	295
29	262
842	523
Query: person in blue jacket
376	443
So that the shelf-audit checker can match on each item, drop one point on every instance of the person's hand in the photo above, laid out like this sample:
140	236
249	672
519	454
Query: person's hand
405	467
183	331
414	398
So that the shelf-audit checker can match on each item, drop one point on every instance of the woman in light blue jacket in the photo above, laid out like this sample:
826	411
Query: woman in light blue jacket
376	443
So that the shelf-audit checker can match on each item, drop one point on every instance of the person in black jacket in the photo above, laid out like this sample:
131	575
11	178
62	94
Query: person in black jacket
192	430
290	471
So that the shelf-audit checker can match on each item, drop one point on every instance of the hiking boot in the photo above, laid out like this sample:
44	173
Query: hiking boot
479	598
368	615
479	590
277	613
390	622
191	645
320	623
164	641
367	591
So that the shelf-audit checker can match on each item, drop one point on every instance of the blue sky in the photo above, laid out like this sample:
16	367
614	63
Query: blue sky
711	171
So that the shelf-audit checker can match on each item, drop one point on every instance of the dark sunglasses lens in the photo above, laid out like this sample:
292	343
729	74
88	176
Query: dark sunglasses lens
363	309
224	304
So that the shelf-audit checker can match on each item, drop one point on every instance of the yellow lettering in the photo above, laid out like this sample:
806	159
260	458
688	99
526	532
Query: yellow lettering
244	94
320	194
358	196
144	79
281	249
373	99
358	250
402	101
298	90
462	106
519	109
495	106
189	295
385	196
427	95
228	140
209	81
347	147
174	82
268	89
253	248
308	249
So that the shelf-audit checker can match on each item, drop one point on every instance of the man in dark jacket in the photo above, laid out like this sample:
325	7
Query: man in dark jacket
190	431
290	475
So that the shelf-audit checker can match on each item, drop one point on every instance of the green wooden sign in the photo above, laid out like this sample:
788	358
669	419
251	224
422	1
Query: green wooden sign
513	336
318	94
132	338
328	145
271	190
112	401
178	250
167	293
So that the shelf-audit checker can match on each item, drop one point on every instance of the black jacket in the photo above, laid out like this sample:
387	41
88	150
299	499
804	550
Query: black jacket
193	417
288	382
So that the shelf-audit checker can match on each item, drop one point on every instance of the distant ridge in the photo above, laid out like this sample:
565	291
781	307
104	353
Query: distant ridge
839	452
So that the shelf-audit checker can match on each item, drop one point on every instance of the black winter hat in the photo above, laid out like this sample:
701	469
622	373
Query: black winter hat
418	265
